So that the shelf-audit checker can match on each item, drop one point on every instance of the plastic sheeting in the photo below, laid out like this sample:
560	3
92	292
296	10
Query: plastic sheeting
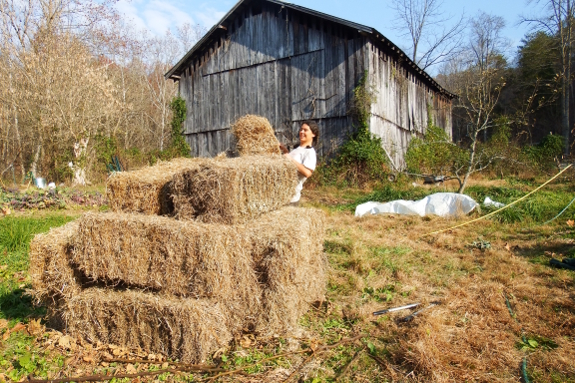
441	204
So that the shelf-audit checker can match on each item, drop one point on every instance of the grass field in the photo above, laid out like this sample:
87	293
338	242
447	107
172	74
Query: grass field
498	301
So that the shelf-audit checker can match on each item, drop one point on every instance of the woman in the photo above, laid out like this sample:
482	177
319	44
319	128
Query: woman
304	156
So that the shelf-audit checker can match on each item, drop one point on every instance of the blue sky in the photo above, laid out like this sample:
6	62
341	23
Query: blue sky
159	15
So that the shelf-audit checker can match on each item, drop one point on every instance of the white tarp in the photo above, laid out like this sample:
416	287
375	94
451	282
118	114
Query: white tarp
441	204
489	202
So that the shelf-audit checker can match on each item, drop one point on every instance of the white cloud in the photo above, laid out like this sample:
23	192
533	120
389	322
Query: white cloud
157	16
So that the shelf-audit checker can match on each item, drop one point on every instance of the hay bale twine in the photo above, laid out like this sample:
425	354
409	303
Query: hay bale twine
255	136
235	190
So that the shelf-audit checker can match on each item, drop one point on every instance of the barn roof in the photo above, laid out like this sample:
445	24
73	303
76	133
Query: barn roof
370	32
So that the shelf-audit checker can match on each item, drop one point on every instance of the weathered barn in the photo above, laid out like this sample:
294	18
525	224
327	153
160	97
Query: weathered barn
289	64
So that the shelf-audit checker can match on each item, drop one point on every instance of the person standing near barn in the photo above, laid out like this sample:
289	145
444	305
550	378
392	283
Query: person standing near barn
304	156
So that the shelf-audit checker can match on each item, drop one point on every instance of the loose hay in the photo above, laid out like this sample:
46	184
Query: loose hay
146	190
185	329
235	190
255	136
52	275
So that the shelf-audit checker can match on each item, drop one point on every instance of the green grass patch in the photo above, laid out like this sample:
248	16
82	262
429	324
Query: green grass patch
15	236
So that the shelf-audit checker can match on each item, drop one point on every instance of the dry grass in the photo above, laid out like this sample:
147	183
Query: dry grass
146	190
234	191
50	270
471	334
255	136
185	329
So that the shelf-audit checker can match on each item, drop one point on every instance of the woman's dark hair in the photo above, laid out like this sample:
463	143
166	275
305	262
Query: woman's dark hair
314	129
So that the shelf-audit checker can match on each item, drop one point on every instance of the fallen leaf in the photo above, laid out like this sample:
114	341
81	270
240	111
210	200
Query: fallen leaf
66	342
18	327
108	356
3	324
35	327
88	359
570	223
507	247
116	352
130	369
151	357
6	335
165	365
105	364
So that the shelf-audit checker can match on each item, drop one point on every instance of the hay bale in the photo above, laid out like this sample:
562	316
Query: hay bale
51	273
235	190
255	136
287	246
182	258
185	329
146	190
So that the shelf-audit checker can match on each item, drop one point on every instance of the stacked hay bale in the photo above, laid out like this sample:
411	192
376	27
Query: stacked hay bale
194	253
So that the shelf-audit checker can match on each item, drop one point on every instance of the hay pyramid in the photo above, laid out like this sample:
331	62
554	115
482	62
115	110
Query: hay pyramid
194	253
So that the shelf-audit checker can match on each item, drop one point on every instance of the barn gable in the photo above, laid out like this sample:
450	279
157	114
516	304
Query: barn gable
289	64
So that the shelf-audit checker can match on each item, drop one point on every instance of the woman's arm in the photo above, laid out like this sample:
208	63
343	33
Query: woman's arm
300	167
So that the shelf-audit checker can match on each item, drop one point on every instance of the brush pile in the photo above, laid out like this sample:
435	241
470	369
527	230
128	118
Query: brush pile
216	253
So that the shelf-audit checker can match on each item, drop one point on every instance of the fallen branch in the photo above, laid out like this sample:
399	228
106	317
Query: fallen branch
347	366
182	367
313	352
101	378
191	367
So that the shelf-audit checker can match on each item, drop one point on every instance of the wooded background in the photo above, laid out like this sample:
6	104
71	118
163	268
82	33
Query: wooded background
79	85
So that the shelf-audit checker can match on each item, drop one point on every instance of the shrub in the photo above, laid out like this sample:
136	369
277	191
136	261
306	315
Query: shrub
361	158
544	154
434	153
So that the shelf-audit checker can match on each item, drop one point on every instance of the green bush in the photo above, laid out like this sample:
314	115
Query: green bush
361	158
435	153
178	147
543	155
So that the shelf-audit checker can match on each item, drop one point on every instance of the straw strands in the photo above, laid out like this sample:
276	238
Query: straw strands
255	135
236	258
288	247
51	273
235	190
146	190
181	258
185	329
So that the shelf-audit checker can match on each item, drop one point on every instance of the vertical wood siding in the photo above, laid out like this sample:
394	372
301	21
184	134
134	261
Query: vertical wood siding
404	104
279	64
289	66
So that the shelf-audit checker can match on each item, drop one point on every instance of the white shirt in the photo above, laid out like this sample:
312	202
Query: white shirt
307	157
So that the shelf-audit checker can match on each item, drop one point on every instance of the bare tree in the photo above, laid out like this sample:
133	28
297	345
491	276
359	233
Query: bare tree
559	20
434	37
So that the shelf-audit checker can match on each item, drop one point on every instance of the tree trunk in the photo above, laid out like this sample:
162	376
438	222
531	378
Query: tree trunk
34	166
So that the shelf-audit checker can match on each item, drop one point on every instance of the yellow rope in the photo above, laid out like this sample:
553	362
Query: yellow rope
503	208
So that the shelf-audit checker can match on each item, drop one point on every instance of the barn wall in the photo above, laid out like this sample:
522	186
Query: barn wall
279	64
403	104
